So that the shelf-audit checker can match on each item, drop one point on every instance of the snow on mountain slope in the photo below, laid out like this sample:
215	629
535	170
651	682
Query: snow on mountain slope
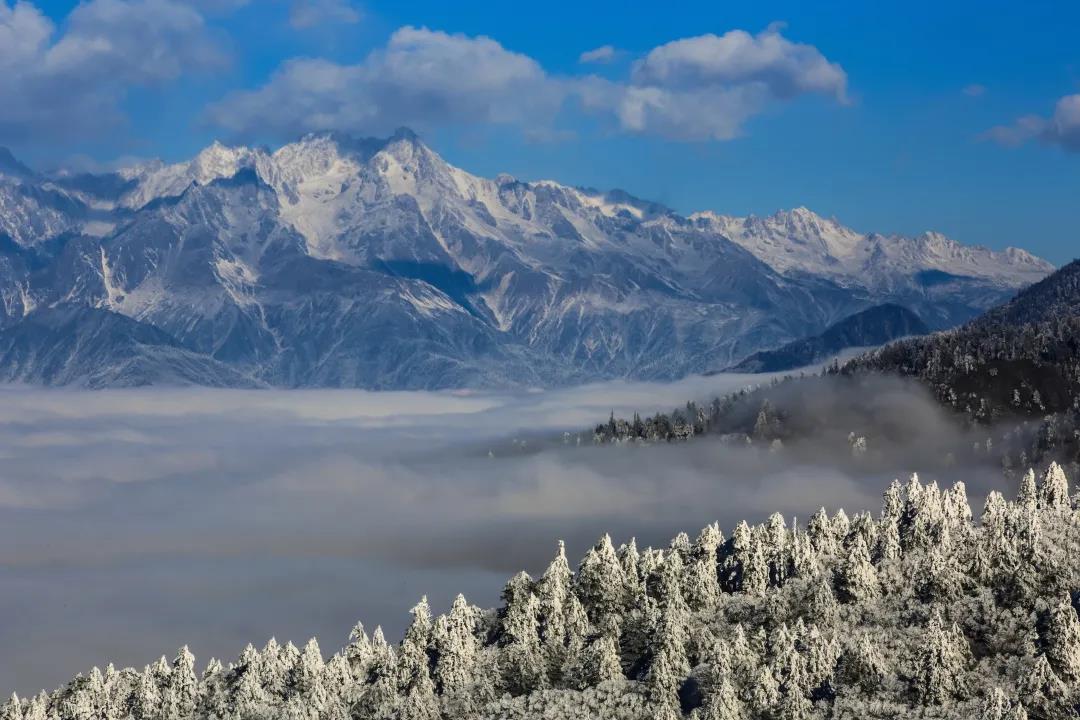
155	180
374	263
83	346
799	241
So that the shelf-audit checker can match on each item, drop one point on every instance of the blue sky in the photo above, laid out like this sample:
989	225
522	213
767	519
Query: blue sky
894	117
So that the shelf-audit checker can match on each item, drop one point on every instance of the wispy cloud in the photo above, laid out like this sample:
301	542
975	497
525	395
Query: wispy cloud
1062	128
602	54
312	13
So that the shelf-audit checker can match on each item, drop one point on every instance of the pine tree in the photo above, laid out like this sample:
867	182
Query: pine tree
522	657
181	698
667	669
247	697
213	695
1043	691
997	706
722	703
415	687
940	663
630	559
732	565
37	708
763	694
601	584
306	678
755	567
274	668
856	578
1060	634
862	665
1028	495
820	531
553	592
701	581
380	697
459	677
892	506
12	709
597	663
1054	491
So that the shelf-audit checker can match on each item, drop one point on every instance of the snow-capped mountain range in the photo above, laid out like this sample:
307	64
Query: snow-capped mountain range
374	263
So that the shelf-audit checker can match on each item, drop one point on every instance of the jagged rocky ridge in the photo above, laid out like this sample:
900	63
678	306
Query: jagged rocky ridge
918	611
373	263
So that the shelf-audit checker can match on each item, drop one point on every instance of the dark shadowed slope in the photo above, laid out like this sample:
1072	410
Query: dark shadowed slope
1022	358
874	326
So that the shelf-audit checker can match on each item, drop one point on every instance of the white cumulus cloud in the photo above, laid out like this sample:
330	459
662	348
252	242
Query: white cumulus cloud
707	87
421	78
700	88
70	83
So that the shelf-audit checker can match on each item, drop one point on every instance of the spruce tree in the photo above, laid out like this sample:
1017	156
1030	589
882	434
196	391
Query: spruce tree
940	665
856	578
1059	629
416	691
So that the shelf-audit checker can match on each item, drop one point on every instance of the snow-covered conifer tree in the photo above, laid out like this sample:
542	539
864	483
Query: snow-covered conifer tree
856	578
416	691
182	695
522	657
553	592
1054	490
1059	629
601	584
1028	495
12	709
668	668
940	664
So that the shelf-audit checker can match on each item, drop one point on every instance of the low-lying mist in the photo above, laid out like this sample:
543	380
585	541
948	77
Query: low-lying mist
133	522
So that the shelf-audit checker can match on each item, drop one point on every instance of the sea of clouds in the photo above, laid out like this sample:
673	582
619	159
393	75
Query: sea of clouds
133	522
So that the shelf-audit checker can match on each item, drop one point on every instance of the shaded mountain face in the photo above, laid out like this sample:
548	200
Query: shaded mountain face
91	347
373	263
874	326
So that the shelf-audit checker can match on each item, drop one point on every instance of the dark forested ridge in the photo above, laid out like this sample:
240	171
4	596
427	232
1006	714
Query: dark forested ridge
917	611
1015	372
1018	362
873	326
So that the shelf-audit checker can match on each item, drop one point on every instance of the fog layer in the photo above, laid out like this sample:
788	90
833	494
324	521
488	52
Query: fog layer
133	522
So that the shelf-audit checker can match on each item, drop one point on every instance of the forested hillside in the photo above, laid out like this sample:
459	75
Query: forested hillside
1018	362
1013	374
918	611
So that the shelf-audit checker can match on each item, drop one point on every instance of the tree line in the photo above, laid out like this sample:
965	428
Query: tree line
917	609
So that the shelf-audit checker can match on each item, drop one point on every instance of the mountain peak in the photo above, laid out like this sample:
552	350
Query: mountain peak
9	165
220	161
801	215
405	134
